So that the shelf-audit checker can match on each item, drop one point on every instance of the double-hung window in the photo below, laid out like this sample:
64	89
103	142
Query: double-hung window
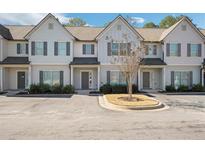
39	48
62	48
51	77
22	48
114	48
182	78
117	77
88	49
174	49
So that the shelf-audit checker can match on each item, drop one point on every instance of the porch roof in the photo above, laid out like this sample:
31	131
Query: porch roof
85	61
153	61
15	60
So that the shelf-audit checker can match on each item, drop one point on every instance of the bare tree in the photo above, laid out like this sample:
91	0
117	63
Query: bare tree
130	55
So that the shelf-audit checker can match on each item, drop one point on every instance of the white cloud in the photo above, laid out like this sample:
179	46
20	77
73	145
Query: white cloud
137	20
28	18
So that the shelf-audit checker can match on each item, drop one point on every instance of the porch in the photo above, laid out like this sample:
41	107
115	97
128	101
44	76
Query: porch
85	74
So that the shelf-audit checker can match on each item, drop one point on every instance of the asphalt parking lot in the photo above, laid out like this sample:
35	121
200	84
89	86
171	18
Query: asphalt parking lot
81	117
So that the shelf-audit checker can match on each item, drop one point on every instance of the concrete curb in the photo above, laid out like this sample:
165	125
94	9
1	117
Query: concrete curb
105	104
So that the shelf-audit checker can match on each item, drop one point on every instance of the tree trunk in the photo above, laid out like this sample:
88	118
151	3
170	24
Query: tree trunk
130	88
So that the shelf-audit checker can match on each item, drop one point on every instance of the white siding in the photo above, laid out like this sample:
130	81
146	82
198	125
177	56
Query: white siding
116	35
78	49
4	49
59	34
184	37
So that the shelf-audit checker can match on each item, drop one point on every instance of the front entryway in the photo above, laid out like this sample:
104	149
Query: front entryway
146	80
85	80
21	80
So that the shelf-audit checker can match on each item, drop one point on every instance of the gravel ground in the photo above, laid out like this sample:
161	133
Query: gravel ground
81	117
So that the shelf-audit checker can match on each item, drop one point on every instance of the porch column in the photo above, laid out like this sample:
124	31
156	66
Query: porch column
138	78
1	78
29	76
164	79
202	77
98	77
71	75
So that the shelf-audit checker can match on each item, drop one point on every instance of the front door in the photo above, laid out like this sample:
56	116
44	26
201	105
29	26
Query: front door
21	80
146	80
85	80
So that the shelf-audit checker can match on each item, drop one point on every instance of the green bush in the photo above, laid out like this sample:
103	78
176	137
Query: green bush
106	89
198	88
34	89
170	88
183	88
68	89
117	89
45	88
56	89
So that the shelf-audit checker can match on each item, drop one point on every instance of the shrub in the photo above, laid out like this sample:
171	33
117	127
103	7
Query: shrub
34	89
183	88
106	89
68	89
197	88
117	89
45	88
170	88
56	89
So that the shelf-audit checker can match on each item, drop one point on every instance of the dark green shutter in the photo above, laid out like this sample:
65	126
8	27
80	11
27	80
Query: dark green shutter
32	48
56	48
172	78
68	48
128	48
41	77
168	49
188	50
45	48
108	77
109	49
154	49
191	78
84	49
92	49
179	49
199	50
61	78
18	48
26	48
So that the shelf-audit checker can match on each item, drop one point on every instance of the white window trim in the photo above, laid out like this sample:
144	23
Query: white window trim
65	48
170	49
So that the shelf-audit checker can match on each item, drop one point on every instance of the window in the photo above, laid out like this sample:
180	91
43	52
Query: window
174	49
88	49
182	78
119	47
114	48
117	77
118	27
183	27
50	26
62	48
39	48
51	77
22	48
151	50
194	49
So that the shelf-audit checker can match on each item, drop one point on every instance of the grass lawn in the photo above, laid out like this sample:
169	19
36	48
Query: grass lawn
138	100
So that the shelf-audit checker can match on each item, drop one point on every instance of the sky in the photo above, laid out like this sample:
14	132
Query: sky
96	19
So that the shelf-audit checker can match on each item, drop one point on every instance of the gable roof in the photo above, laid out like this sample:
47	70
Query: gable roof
41	22
170	29
124	21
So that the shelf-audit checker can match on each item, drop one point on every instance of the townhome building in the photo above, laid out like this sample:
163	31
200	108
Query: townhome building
52	53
